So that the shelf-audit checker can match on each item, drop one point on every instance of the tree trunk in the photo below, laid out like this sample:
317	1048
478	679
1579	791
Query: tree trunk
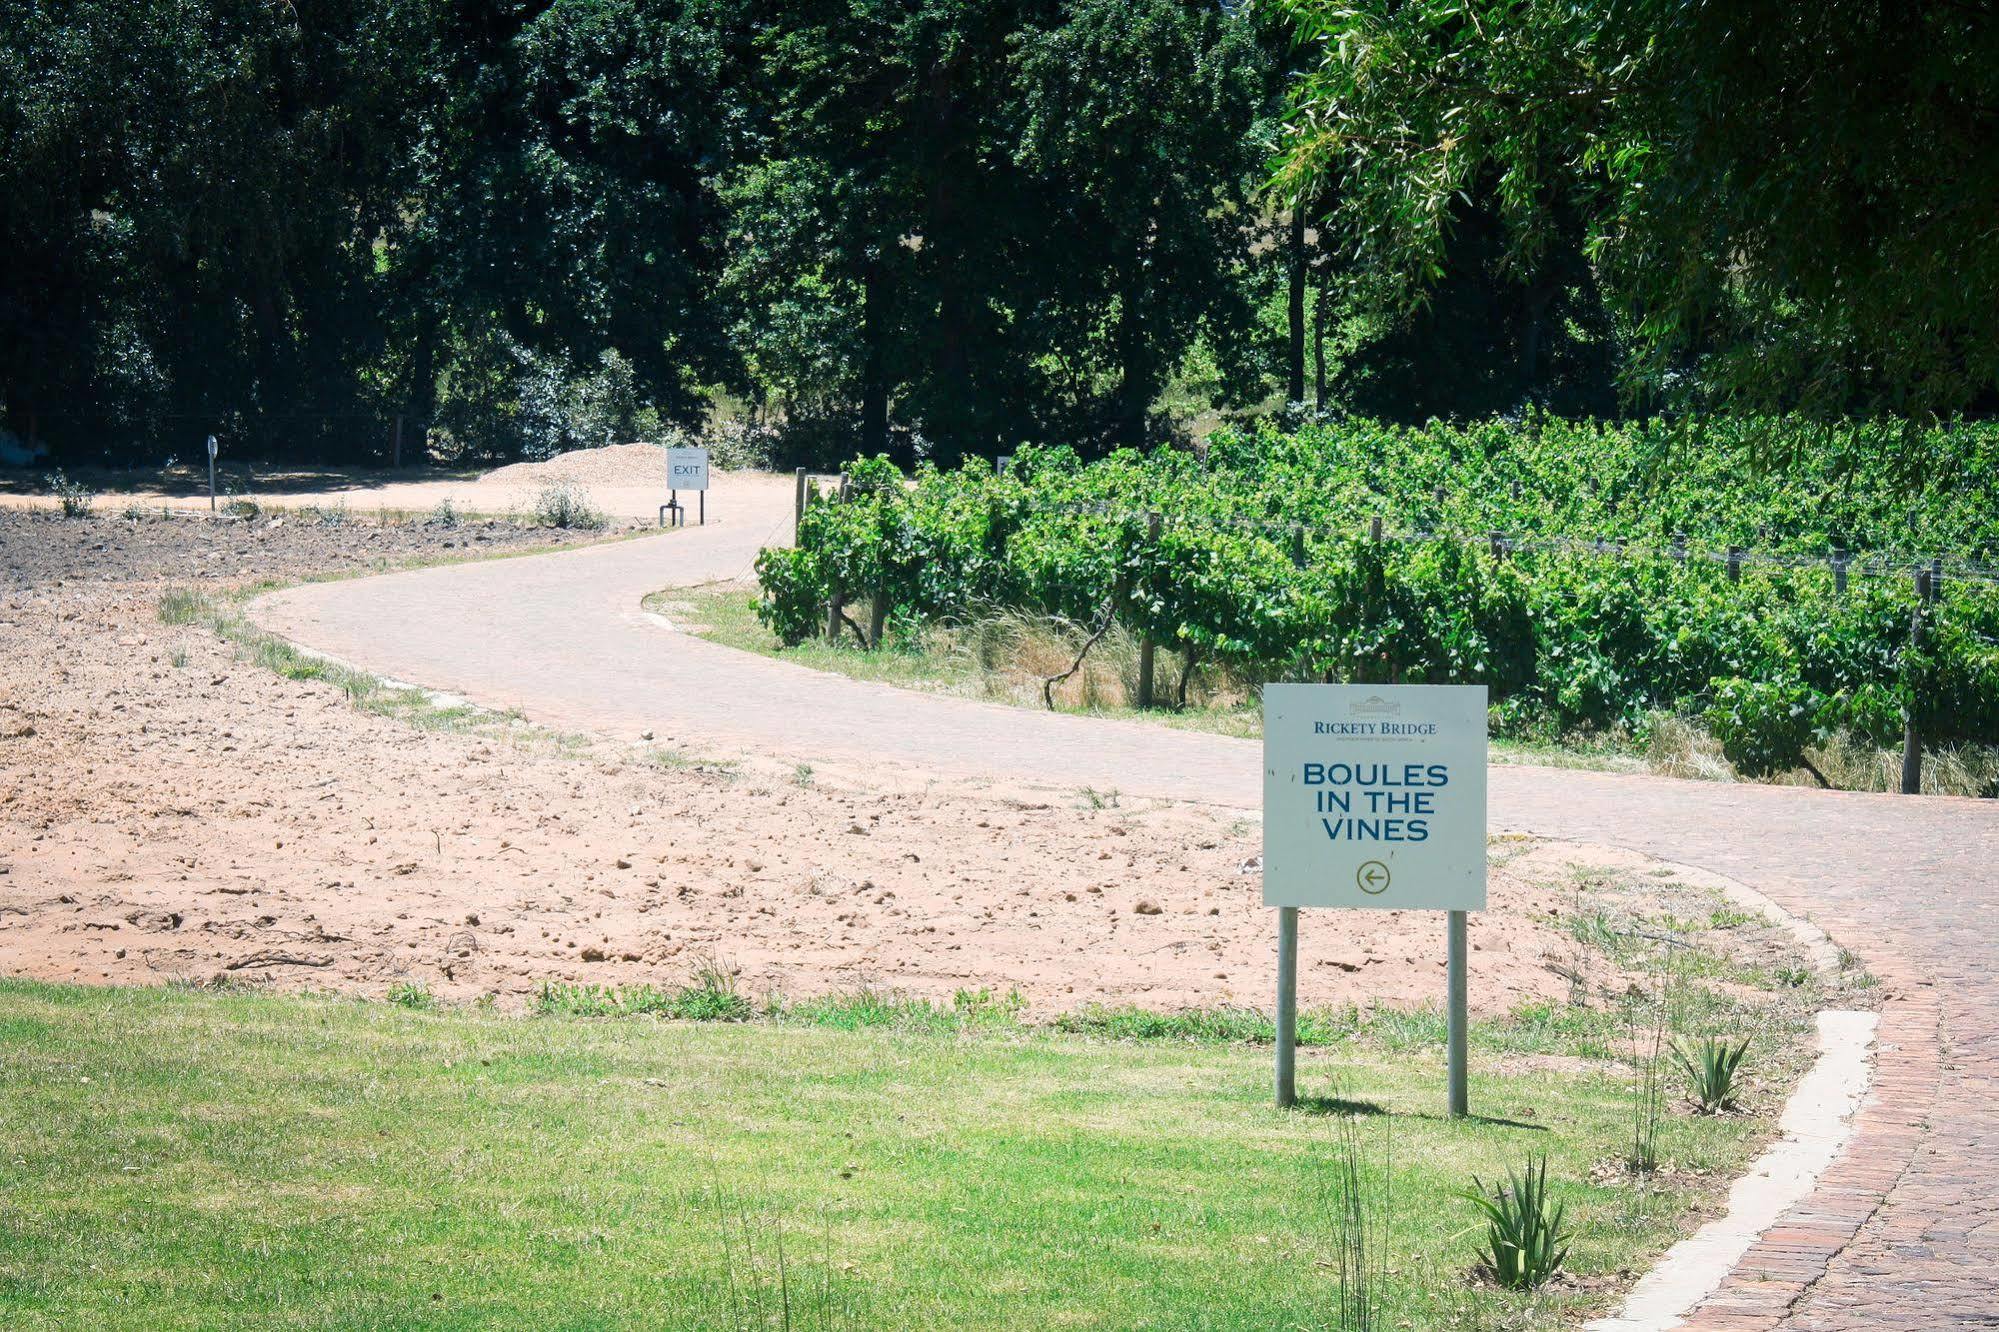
1294	361
1319	348
422	397
874	370
1136	391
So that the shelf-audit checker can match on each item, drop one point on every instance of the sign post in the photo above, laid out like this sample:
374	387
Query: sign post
211	474
1374	797
687	469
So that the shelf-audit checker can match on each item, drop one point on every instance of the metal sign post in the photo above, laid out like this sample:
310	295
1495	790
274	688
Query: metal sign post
211	474
1374	797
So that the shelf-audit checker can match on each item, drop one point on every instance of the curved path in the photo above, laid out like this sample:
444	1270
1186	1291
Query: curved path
1902	1233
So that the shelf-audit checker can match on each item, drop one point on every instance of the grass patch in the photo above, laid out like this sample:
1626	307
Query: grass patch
1004	657
185	1159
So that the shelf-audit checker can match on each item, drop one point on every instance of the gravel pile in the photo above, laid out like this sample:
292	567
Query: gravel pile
617	465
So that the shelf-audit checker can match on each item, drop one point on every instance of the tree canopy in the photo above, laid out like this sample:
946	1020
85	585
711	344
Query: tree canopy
1787	205
939	227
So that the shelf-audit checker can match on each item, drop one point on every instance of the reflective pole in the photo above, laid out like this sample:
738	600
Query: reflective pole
1287	1006
1456	1003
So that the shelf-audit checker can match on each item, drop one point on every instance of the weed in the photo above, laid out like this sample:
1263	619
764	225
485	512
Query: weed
802	775
713	997
1363	1195
1793	978
412	994
1524	1240
328	515
1096	799
563	505
242	507
181	605
444	514
970	1010
1729	918
1710	1068
73	497
764	1285
178	659
1646	1020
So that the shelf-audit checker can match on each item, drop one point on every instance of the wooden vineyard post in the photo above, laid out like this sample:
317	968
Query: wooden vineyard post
839	600
798	505
1839	562
878	615
1145	644
1735	564
1912	741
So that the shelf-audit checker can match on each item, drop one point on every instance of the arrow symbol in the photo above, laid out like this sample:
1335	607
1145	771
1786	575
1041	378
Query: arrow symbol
1372	877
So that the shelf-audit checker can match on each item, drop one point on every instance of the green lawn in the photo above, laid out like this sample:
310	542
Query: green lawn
185	1159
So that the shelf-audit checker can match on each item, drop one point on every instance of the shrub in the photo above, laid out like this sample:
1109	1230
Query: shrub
1710	1068
444	515
791	606
563	505
73	497
1763	726
1524	1240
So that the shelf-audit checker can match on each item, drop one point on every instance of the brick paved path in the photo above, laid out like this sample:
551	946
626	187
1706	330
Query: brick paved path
1904	1231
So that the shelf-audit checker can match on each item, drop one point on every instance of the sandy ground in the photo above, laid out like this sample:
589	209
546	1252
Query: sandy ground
170	811
626	481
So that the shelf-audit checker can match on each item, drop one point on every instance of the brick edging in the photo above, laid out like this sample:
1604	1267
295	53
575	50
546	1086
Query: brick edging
1793	1254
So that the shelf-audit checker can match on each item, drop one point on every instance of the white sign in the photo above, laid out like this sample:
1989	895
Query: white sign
1374	796
687	469
211	446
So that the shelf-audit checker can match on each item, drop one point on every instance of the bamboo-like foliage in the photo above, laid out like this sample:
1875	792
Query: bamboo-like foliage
1647	1023
1362	1193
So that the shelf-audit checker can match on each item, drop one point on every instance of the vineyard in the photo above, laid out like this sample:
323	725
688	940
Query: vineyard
1592	577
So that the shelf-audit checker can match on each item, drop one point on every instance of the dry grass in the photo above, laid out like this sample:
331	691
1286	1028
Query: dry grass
1681	748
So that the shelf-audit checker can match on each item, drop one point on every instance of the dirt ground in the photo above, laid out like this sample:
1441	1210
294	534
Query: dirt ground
626	481
171	811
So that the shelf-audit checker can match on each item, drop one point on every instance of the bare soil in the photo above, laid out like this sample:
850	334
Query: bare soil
170	811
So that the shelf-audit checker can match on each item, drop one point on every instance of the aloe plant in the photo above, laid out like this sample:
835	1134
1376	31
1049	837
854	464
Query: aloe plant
1710	1068
1525	1243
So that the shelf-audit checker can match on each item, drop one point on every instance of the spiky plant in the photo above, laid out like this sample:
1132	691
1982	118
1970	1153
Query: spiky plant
1710	1066
1525	1243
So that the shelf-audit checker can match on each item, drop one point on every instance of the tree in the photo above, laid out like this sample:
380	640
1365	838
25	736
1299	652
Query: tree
875	247
1789	205
193	197
1137	120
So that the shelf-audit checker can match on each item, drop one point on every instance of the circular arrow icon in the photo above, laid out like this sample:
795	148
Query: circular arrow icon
1372	877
